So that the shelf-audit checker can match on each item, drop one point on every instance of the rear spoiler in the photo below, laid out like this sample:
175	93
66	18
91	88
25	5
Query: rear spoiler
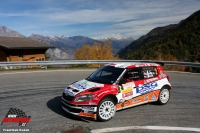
160	63
157	62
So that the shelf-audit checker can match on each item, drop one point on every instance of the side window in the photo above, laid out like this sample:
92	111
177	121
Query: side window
132	75
149	72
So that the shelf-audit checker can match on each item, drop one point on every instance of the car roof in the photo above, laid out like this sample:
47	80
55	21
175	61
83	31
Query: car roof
131	64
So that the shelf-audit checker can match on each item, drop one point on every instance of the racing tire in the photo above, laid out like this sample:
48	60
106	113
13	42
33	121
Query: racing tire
106	109
164	96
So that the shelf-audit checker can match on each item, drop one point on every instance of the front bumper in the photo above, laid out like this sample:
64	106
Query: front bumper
79	110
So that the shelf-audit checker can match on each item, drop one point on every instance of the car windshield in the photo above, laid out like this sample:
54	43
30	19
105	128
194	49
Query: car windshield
106	75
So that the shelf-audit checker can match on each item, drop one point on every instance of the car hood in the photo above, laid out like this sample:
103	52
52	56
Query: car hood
81	86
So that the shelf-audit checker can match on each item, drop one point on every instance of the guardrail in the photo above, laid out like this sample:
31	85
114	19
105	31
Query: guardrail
64	62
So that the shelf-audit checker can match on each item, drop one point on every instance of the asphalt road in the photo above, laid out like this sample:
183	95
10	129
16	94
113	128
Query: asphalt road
38	94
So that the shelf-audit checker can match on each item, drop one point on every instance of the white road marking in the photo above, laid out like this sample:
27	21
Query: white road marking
106	130
7	73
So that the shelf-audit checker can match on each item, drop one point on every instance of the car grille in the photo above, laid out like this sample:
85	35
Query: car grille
72	109
68	98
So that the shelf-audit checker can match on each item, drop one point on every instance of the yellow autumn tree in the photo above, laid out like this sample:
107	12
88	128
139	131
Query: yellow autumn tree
97	51
83	53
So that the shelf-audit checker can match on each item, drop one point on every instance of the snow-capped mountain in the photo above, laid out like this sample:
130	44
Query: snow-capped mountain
68	45
113	37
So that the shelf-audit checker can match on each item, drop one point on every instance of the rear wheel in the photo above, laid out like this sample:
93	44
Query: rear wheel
106	109
164	96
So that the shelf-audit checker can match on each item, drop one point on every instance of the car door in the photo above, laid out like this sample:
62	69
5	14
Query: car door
127	89
149	84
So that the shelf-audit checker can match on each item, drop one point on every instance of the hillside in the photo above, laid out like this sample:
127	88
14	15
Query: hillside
179	42
152	35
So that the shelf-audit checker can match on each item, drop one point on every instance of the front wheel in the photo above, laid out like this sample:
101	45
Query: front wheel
106	109
164	96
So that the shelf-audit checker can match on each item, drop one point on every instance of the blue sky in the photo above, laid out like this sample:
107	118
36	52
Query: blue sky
93	18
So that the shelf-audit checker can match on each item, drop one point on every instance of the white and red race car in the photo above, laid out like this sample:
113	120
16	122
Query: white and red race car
115	87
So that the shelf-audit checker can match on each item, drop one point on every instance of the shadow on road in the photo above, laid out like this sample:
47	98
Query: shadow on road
56	106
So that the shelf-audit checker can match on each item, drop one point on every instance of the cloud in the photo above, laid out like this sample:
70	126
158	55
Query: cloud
121	17
152	21
137	28
139	11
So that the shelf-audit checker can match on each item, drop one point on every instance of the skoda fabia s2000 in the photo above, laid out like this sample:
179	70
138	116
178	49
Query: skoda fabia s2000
115	87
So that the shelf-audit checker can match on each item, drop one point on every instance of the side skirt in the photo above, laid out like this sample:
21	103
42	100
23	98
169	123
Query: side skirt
142	99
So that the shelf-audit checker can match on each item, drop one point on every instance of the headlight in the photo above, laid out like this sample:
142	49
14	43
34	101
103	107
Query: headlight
66	89
84	98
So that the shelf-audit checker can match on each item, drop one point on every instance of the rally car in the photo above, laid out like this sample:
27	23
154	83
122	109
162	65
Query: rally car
114	87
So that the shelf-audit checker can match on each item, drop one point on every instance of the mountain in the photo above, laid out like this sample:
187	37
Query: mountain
177	42
4	31
118	43
67	46
154	34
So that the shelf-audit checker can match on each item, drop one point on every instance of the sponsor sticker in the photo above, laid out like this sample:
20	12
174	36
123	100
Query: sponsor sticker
127	93
154	96
142	89
79	86
88	108
128	85
127	90
84	84
137	100
146	97
151	80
